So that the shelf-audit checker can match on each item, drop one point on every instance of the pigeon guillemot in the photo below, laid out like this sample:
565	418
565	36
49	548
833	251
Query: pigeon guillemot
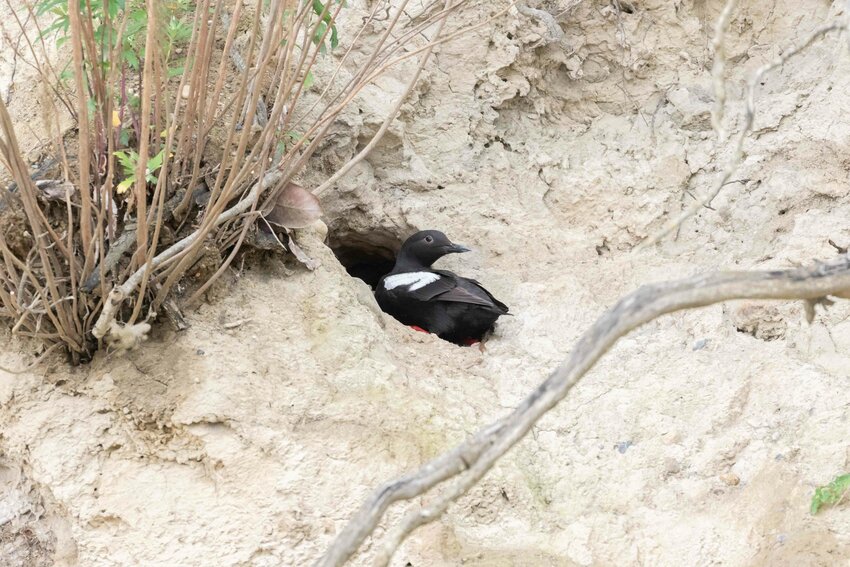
456	309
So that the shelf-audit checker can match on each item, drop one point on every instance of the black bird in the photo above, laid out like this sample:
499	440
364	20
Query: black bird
456	309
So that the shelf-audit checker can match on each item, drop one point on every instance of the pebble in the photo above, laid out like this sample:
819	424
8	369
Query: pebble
187	90
320	228
672	466
730	479
700	344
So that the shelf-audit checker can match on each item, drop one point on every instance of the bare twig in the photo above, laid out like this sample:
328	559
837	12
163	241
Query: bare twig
738	146
119	293
235	324
120	247
390	116
719	68
471	460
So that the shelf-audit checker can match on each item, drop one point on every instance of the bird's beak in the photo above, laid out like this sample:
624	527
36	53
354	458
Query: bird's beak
456	248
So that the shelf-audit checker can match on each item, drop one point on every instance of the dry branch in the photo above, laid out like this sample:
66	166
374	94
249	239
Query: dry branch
391	115
471	460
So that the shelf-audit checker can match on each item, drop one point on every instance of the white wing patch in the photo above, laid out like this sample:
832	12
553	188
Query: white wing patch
416	280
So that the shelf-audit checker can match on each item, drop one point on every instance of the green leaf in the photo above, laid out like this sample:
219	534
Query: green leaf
128	160
156	161
132	59
320	31
154	164
60	24
124	185
113	7
830	494
308	80
327	21
319	8
177	31
47	5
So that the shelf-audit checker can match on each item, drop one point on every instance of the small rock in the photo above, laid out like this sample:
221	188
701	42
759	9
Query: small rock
671	466
320	228
730	479
700	344
187	90
544	160
200	352
623	445
671	437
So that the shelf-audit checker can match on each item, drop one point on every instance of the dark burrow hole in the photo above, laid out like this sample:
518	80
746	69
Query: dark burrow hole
366	256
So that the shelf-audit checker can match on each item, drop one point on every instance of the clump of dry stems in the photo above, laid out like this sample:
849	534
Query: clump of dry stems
90	256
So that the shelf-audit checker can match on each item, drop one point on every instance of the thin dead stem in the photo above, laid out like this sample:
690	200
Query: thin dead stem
719	68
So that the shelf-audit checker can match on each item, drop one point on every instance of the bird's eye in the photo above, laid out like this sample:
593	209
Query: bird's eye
429	239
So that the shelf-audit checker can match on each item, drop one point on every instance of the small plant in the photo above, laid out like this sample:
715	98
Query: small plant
129	160
831	494
91	271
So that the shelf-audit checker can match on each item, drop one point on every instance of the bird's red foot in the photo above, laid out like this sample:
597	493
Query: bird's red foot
420	329
470	342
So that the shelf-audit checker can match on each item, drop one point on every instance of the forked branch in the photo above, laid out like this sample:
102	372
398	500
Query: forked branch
469	462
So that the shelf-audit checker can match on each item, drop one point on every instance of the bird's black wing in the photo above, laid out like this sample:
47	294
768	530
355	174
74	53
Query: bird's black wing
453	288
481	289
438	290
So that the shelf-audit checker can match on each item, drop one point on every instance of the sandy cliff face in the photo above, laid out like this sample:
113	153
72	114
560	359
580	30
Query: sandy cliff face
697	439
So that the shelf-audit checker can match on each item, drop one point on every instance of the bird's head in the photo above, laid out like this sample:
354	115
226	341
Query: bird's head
426	247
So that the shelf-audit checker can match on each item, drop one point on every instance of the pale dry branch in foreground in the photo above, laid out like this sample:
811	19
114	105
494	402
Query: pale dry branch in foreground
749	117
471	460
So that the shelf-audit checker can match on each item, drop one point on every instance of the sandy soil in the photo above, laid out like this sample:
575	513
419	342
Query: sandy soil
697	440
